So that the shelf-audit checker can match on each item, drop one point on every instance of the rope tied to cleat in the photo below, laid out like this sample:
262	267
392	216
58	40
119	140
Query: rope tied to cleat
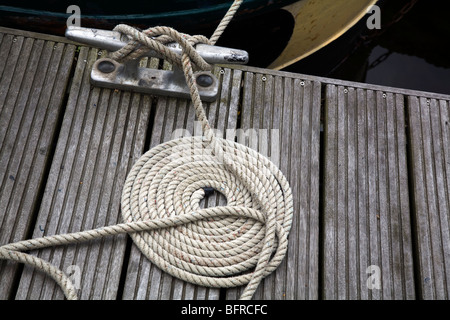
225	246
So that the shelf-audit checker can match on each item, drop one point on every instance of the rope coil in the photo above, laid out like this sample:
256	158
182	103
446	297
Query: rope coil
221	247
225	246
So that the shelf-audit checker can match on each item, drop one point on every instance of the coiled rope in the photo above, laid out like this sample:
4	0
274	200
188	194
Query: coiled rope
225	246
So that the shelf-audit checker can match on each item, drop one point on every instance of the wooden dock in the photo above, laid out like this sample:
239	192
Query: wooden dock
369	168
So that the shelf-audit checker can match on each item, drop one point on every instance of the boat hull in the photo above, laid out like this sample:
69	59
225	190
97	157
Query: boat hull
277	33
190	16
318	23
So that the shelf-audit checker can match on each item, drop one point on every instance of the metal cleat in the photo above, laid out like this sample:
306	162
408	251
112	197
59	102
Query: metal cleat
111	74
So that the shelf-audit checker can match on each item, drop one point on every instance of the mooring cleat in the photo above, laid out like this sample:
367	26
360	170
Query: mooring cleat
111	74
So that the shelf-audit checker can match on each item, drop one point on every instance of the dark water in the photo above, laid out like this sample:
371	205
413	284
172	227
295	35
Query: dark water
413	53
401	70
411	50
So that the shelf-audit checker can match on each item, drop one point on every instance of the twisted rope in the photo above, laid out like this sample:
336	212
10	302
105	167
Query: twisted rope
224	246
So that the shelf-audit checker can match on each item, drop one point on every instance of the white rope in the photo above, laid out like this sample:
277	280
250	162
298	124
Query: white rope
225	246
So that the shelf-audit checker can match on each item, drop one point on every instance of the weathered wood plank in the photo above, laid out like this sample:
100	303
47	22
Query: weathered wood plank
366	227
366	206
429	121
102	134
281	119
175	118
33	79
345	83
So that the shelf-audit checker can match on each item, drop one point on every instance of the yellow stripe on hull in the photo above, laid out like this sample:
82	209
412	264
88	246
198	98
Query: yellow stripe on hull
317	23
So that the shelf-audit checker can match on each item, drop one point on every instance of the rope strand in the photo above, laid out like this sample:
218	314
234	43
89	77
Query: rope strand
224	246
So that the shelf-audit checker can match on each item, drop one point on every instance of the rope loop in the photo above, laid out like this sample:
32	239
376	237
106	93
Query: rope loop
228	245
156	38
224	246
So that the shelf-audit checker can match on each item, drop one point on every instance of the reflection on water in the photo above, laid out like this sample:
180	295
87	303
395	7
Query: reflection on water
410	51
410	54
409	72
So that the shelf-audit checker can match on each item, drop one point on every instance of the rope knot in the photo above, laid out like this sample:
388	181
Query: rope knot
157	39
223	246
